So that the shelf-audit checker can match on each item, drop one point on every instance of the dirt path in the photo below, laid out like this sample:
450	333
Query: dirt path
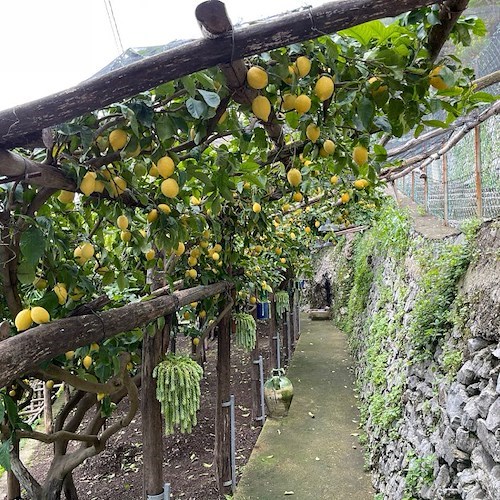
305	457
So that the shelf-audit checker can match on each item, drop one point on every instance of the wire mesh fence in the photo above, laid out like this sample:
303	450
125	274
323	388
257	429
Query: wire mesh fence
465	182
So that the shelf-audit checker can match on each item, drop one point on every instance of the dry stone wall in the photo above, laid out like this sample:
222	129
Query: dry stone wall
423	320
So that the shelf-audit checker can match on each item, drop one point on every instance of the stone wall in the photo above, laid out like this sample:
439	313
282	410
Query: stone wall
422	313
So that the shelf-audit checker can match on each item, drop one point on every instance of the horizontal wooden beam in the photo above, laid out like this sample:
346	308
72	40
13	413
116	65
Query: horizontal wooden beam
22	124
25	351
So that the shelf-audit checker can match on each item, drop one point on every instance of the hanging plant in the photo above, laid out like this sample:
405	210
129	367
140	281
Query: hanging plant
178	391
282	303
246	329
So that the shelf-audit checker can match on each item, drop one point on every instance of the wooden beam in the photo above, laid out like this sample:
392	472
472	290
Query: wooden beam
25	351
21	124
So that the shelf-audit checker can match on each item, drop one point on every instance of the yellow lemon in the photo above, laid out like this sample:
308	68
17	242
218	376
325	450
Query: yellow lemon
180	249
294	177
329	146
23	320
66	196
194	201
313	132
345	197
302	104
196	341
170	188
360	183
317	223
191	273
165	166
297	196
150	254
261	107
360	155
126	236
307	229
257	78
118	185
94	347
122	222
40	283
334	179
302	66
436	80
282	260
87	250
152	215
77	254
324	88
253	300
100	396
61	292
87	186
99	186
202	314
117	139
256	207
40	315
215	256
69	355
164	208
192	261
153	171
49	384
288	102
380	89
87	362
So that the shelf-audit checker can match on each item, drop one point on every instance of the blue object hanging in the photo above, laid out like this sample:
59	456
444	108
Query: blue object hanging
263	310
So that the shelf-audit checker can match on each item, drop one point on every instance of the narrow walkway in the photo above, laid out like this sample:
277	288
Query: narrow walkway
306	457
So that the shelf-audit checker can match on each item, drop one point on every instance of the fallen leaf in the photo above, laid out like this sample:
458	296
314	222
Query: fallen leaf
289	493
207	465
311	414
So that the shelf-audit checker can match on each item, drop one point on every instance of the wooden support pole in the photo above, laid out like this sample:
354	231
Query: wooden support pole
445	188
272	333
255	379
413	185
13	485
477	169
47	409
222	416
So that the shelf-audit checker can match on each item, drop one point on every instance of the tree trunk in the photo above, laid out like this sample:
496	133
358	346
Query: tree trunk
222	420
47	410
13	486
272	334
255	379
69	488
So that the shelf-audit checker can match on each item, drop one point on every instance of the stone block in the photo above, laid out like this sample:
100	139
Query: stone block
488	440
466	375
455	402
493	418
465	440
486	399
476	344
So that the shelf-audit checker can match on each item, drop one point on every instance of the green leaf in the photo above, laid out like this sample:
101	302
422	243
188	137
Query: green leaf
366	110
196	108
189	85
32	245
26	272
211	98
365	32
435	123
5	454
482	97
143	113
388	57
2	410
122	281
258	180
292	119
380	152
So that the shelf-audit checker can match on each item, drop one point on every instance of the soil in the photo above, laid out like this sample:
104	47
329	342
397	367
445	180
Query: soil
188	458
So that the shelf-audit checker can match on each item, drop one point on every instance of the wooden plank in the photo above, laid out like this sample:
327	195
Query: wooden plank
21	124
25	352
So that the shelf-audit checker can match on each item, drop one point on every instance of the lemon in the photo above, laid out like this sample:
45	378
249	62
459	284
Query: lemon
153	171
360	183
257	78
94	347
307	229
66	196
100	396
302	66
152	215
313	132
292	235
302	104
256	207
126	236
218	247
334	179
196	341
61	292
117	139
150	254
380	89
278	251
317	223
165	166
12	393
294	177
180	249
49	384
194	201
253	300
40	283
288	102
215	256
87	250
360	155
436	80
77	254
282	260
122	222
87	186
69	355
345	197
286	207
297	196
324	88
40	315
202	314
186	314
99	186
191	273
87	362
195	252
164	208
23	320
329	146
77	294
170	188
261	107
119	185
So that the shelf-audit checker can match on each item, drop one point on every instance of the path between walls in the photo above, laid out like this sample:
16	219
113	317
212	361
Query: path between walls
316	457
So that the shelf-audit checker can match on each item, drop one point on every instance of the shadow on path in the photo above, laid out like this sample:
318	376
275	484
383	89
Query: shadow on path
314	457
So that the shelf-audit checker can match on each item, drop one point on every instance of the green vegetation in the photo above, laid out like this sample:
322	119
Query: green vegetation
420	472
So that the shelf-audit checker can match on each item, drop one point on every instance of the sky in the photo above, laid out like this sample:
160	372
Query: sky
52	45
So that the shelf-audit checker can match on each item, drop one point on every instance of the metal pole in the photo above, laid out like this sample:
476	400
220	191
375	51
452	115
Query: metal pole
278	347
477	168
426	190
232	420
413	185
262	402
445	189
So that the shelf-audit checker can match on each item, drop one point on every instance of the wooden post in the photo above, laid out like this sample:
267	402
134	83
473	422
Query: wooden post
445	189
47	409
222	417
152	428
13	486
255	378
272	333
477	168
413	185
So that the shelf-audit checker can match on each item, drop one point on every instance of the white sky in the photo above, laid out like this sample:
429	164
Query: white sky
50	45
